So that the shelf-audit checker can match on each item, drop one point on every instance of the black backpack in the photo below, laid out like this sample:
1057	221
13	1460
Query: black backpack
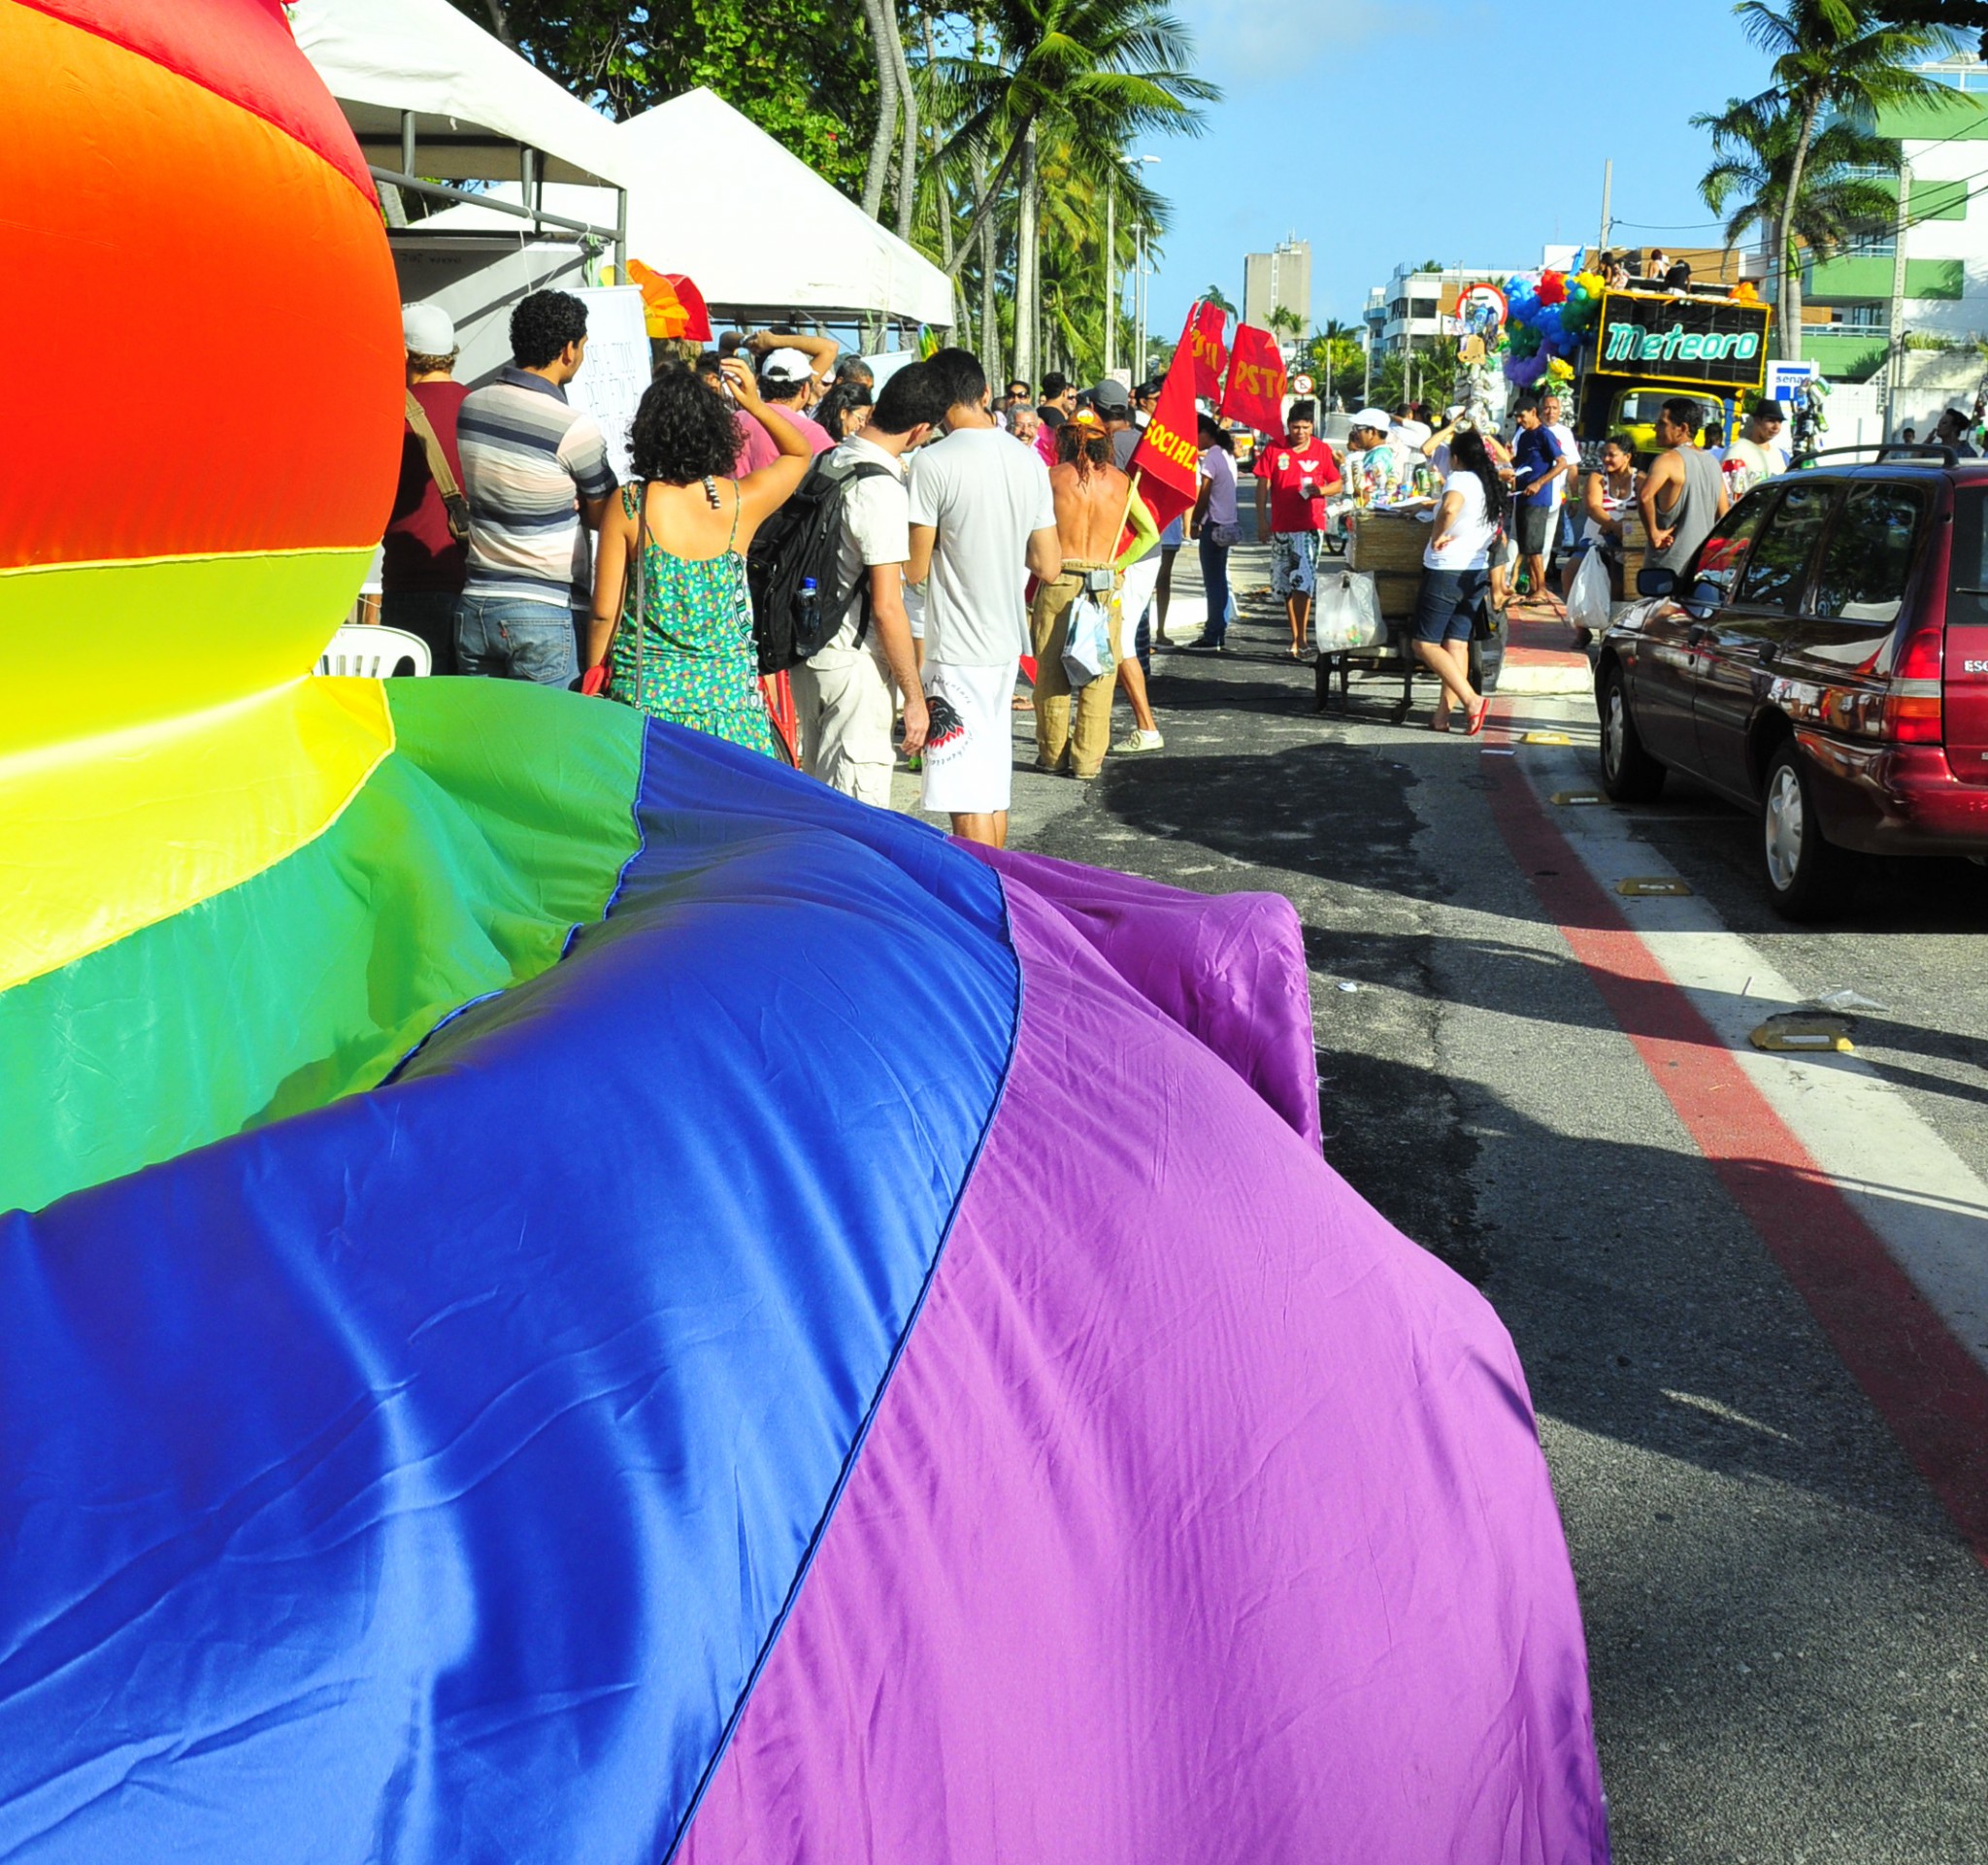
804	539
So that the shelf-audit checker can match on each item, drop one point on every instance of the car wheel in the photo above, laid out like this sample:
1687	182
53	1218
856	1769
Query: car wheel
1629	773
1805	878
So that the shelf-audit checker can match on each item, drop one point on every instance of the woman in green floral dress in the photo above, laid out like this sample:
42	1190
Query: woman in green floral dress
690	661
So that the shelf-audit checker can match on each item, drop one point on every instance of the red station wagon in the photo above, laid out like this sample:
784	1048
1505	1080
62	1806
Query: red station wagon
1822	661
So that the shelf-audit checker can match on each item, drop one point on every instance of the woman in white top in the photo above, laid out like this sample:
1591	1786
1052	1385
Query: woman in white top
1456	575
1214	524
1609	498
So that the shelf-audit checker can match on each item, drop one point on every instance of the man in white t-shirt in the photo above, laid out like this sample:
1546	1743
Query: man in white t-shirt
1756	455
1553	415
841	693
983	520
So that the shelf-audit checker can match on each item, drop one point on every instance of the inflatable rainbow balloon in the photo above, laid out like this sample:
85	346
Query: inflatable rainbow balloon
570	1295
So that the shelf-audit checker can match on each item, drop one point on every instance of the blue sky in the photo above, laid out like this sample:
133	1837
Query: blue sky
1391	130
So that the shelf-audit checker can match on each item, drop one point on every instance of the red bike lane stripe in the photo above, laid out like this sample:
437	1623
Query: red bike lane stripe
1928	1390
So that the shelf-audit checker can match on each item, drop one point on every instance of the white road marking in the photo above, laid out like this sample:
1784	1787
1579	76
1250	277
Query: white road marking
1919	1196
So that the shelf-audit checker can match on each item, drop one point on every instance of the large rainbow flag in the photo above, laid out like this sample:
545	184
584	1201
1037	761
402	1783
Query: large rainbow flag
570	1295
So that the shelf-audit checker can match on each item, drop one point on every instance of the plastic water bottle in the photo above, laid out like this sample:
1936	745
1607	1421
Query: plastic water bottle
810	618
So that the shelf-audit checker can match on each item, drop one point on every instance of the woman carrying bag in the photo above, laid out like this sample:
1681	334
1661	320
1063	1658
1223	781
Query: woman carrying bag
672	621
1610	498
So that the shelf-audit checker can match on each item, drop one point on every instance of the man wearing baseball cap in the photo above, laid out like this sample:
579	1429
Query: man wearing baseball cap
423	562
786	381
1754	456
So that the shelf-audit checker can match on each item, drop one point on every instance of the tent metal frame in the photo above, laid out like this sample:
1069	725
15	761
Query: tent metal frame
533	210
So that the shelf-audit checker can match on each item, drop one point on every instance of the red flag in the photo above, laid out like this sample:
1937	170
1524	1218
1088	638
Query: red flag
1167	461
1255	393
1207	326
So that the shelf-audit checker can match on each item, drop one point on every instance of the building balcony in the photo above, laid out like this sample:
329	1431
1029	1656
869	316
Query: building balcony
1844	354
1871	277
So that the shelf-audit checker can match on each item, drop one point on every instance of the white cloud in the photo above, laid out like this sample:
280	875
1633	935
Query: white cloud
1249	40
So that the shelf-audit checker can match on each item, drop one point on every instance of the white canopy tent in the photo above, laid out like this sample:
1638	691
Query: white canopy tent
714	196
428	93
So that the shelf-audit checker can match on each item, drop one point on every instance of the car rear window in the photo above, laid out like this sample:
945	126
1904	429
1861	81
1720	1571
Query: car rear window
1867	560
1777	572
1967	601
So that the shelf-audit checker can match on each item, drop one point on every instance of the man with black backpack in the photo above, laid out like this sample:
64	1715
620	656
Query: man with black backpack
841	690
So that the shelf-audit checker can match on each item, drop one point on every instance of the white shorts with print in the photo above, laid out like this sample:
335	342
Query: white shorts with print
968	768
1293	563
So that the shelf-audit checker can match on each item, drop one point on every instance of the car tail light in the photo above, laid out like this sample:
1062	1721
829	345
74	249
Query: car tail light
1912	709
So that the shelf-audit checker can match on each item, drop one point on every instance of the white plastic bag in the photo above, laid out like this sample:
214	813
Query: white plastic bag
1345	612
1087	640
1590	599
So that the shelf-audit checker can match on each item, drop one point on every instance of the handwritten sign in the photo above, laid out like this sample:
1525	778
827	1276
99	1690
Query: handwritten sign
616	373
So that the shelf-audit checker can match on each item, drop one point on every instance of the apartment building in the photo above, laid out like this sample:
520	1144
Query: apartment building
1409	307
1945	148
1279	279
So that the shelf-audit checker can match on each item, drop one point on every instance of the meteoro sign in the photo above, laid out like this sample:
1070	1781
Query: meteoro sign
1701	339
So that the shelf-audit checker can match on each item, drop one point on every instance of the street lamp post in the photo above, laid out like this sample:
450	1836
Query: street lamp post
1110	273
1139	301
1139	369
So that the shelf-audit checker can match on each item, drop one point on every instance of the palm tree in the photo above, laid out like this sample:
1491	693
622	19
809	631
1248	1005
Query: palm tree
1213	295
1832	58
1755	155
1335	353
1102	71
895	94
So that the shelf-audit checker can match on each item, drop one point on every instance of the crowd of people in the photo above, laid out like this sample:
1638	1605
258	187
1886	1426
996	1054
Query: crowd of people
969	538
957	541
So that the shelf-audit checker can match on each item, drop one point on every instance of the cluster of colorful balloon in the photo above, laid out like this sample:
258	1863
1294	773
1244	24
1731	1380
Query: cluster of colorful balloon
1546	318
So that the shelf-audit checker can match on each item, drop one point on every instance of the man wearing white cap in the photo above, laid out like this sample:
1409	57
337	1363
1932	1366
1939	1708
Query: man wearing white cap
422	560
786	380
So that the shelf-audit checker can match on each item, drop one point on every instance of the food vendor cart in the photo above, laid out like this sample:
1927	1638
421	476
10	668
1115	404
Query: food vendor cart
1386	543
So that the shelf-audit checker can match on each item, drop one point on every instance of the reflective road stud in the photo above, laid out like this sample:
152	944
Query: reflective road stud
1653	887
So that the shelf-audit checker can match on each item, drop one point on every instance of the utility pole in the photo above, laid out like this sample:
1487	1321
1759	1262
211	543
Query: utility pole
1607	218
1111	269
1895	360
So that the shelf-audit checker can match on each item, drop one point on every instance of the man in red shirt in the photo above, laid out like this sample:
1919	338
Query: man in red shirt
423	562
1293	478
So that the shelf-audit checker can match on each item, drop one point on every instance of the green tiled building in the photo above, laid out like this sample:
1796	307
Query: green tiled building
1946	243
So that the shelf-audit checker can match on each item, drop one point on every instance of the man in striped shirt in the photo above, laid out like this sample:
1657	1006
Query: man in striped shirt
535	471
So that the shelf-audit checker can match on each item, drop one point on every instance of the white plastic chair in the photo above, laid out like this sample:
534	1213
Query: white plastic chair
373	652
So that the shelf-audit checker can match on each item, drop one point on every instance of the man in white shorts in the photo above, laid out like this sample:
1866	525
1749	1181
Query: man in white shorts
983	519
842	693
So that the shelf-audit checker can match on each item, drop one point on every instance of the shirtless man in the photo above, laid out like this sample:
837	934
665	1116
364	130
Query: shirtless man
1094	504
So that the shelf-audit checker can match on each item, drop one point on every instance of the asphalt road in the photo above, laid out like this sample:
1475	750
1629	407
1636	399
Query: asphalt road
1788	1637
